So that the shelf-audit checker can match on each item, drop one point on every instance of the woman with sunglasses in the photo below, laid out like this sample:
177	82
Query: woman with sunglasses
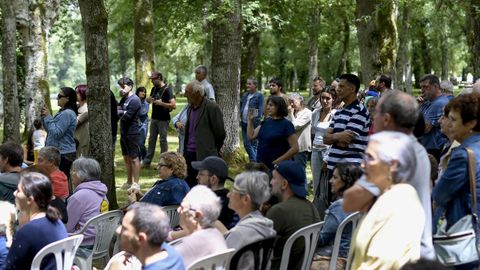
389	235
61	129
171	188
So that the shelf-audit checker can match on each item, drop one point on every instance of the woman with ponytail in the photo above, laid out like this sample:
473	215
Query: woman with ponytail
40	224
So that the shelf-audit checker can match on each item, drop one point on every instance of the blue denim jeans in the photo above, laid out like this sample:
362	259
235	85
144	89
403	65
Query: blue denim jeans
250	145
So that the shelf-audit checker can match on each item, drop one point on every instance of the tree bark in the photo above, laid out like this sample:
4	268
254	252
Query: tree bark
342	62
95	24
143	45
35	19
251	47
377	37
473	34
11	128
226	55
314	30
404	65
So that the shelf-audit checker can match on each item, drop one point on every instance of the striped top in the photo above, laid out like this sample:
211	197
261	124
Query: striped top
353	117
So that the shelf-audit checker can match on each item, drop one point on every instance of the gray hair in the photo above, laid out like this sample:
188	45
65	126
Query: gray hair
396	146
254	184
87	168
402	107
447	87
204	200
201	68
197	87
151	220
50	153
297	96
253	80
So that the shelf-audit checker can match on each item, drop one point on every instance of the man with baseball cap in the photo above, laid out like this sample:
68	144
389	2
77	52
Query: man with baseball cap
293	212
163	102
212	172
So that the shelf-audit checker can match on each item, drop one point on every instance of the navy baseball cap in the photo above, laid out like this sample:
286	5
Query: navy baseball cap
293	172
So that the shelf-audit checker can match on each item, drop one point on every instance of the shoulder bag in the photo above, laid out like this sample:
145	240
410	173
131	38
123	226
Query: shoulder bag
458	244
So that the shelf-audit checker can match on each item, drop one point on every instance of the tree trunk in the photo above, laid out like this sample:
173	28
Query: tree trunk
95	24
11	128
226	48
342	62
143	46
35	19
474	14
377	37
404	65
251	47
314	30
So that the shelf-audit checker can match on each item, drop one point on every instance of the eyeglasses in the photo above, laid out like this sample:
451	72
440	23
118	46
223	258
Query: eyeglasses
367	158
205	174
237	190
59	96
182	209
162	165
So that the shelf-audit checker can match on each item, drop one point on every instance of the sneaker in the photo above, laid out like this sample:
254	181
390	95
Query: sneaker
125	186
134	187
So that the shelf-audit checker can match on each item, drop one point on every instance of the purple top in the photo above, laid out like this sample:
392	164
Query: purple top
193	120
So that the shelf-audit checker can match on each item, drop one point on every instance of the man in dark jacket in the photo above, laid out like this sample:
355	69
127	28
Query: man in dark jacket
204	130
11	158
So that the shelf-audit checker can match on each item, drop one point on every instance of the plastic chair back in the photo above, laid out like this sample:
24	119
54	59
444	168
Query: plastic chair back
310	234
105	226
172	213
218	261
262	251
63	250
351	219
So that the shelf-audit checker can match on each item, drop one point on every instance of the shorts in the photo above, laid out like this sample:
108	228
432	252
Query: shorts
130	145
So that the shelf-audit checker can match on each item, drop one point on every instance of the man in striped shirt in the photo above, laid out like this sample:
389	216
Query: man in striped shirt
348	131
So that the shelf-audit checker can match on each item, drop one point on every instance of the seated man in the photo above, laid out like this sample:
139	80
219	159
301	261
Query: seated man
292	213
213	172
198	212
49	160
11	159
142	234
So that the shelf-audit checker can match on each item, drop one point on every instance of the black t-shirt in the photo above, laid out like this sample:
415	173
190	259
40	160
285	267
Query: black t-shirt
160	112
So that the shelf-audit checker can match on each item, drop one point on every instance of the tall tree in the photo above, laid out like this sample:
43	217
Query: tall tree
404	65
313	30
377	37
95	24
35	19
144	49
250	39
226	45
473	32
11	128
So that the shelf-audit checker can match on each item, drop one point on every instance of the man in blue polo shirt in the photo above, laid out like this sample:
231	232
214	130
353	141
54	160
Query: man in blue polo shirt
432	109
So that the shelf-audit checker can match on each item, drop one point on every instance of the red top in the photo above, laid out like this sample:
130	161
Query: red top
59	184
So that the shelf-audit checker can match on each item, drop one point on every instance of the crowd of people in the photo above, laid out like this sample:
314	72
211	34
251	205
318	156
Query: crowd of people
400	160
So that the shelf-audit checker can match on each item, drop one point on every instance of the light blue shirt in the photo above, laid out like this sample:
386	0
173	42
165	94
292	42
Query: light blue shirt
60	131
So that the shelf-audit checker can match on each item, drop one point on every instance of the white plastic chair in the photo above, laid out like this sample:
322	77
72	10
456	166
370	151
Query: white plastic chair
310	234
172	213
64	251
218	261
351	219
105	226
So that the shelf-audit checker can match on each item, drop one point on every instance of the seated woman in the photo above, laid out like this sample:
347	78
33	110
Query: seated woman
249	192
171	188
344	176
39	226
389	235
8	218
88	199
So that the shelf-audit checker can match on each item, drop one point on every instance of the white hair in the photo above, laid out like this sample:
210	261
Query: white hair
396	146
446	86
255	184
204	200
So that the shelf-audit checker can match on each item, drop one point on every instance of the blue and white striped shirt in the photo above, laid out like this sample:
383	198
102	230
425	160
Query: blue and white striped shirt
354	117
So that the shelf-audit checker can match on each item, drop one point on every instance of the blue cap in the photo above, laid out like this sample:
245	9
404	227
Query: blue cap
293	172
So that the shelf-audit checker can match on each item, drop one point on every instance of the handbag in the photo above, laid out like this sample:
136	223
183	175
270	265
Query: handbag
458	244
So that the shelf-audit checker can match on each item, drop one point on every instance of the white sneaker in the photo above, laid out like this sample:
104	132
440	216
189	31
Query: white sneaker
134	187
125	186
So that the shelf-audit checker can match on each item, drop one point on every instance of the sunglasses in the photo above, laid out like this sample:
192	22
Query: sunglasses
59	96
